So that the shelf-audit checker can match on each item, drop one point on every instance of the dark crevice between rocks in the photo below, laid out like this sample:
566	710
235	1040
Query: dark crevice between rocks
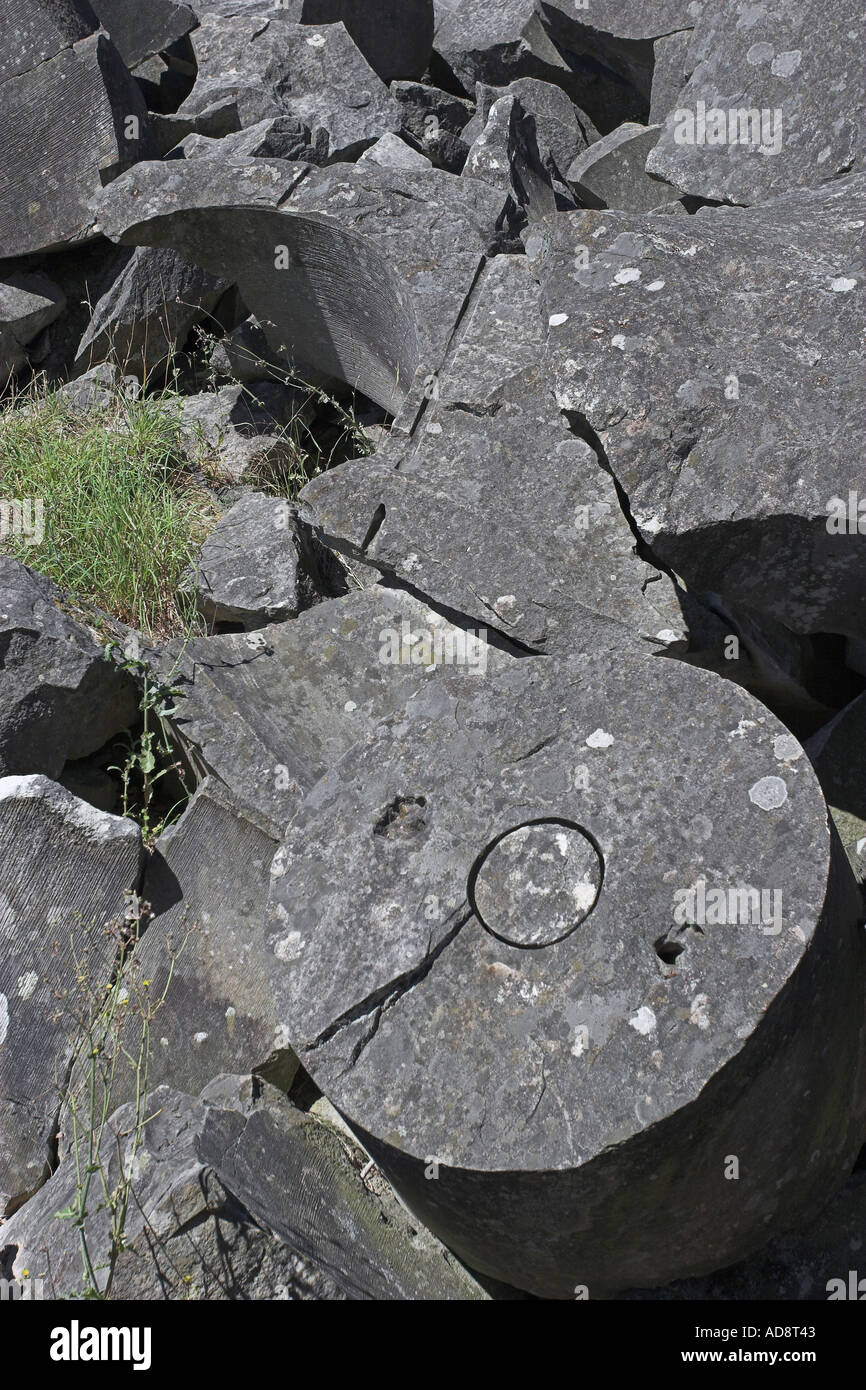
804	703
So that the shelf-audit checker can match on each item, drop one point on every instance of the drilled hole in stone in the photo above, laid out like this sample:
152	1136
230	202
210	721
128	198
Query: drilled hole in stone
535	884
668	950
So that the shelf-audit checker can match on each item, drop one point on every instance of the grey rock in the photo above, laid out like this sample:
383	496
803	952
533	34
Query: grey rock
59	698
730	457
99	388
611	174
581	1076
244	355
246	431
506	157
146	314
137	30
670	73
393	153
278	137
551	575
619	35
203	952
259	565
271	67
28	303
31	35
497	42
434	121
82	96
66	868
269	711
361	271
238	1195
395	36
806	79
562	130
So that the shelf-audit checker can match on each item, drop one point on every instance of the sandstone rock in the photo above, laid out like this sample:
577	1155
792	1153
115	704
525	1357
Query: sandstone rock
239	1195
782	91
269	66
72	83
498	960
146	314
59	698
66	868
259	565
731	458
361	271
610	173
137	30
28	303
269	711
446	509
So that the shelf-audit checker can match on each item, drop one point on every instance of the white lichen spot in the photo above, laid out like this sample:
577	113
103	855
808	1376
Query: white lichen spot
786	64
655	286
557	320
786	748
27	984
581	1041
290	947
434	427
699	1015
349	706
667	635
740	731
281	1037
842	284
599	739
769	793
627	275
618	341
198	1039
317	41
644	1021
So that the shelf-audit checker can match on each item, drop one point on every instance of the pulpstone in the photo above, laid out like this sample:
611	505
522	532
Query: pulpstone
559	973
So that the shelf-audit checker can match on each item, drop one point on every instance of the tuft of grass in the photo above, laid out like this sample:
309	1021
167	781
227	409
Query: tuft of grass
123	517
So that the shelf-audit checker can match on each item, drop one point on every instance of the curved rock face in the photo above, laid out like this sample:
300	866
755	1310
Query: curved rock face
395	36
566	976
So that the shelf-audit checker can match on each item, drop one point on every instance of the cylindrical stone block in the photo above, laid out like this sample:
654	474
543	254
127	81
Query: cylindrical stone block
575	951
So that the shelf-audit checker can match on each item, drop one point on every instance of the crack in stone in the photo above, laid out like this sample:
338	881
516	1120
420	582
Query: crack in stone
384	998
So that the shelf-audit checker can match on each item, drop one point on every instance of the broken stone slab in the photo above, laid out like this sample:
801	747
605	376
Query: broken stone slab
260	565
147	313
66	868
499	42
28	303
434	121
555	972
562	130
204	957
99	388
394	153
446	509
138	31
737	464
278	137
395	36
237	1195
361	271
619	36
505	156
610	173
59	698
31	35
269	711
768	105
247	430
670	74
244	355
818	1262
271	67
95	124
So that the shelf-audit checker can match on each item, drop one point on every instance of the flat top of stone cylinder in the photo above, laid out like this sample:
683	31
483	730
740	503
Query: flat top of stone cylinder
520	924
